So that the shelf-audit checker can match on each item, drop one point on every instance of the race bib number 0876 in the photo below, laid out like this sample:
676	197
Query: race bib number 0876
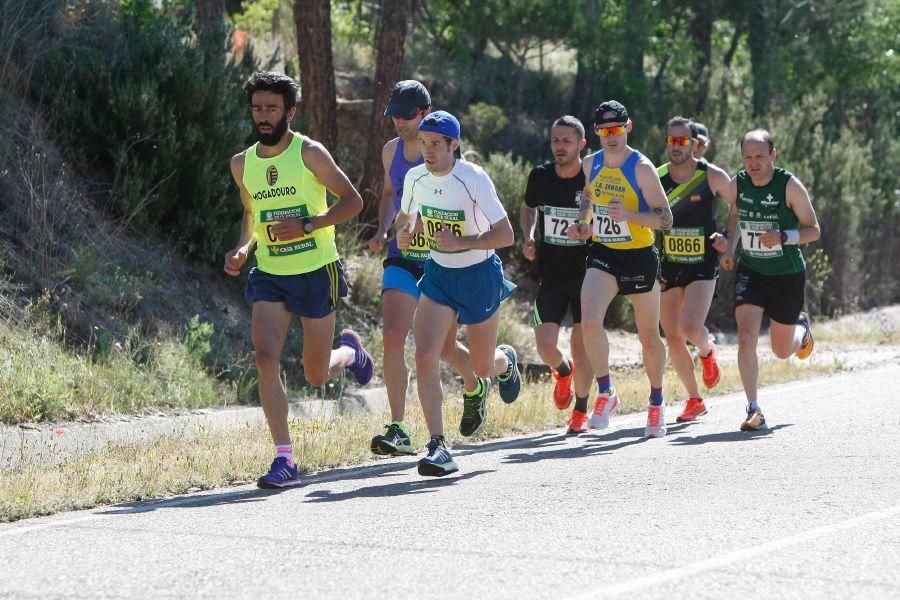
438	219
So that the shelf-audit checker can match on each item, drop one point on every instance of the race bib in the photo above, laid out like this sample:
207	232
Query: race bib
608	231
556	223
684	245
278	247
418	247
437	219
751	231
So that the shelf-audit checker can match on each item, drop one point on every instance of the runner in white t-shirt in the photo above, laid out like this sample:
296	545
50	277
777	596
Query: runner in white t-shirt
463	222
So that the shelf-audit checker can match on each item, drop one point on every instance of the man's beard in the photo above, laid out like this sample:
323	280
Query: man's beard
685	156
271	139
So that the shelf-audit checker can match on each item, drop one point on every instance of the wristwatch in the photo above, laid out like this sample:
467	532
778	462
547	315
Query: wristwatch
784	237
308	226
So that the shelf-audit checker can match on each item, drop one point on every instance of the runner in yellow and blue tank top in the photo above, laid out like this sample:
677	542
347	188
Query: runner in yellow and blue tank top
623	203
689	263
283	180
409	103
771	215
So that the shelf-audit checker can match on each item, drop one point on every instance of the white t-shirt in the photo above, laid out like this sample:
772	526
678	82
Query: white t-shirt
464	200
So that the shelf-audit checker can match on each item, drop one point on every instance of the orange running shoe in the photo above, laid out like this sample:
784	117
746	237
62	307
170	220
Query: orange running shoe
711	372
806	346
693	408
562	392
577	422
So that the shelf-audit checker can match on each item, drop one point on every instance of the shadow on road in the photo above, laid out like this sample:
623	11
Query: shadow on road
392	489
238	497
594	445
728	436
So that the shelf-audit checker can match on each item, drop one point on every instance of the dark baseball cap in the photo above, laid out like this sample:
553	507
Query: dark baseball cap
442	122
407	97
702	133
613	106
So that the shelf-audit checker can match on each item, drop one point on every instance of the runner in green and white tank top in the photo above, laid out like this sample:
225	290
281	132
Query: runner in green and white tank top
771	214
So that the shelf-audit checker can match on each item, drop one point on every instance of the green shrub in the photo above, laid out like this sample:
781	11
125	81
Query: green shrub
158	114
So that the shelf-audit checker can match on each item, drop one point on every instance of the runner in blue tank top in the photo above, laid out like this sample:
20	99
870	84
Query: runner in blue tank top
408	105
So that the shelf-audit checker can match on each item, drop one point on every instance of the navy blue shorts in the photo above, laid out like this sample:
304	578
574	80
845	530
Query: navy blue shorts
474	292
313	295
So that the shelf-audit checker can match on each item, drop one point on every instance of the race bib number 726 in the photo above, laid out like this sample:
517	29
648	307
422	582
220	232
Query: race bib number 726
608	231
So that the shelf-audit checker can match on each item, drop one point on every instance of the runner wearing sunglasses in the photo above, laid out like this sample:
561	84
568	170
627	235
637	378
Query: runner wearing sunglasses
623	203
689	263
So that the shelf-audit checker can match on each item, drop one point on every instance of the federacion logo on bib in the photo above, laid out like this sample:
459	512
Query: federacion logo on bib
272	175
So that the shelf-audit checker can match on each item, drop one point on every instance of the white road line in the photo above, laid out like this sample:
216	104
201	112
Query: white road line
736	556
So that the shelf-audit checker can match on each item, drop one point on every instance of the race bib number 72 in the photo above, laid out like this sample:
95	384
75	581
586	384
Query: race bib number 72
556	224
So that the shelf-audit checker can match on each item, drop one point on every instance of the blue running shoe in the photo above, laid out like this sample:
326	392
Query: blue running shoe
510	382
438	462
280	475
363	367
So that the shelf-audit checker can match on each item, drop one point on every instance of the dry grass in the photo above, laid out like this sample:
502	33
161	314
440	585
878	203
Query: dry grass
194	461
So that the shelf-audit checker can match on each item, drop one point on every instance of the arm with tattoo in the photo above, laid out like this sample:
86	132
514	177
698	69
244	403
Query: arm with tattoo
664	216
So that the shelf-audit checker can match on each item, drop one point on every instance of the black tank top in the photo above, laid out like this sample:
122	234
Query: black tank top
693	218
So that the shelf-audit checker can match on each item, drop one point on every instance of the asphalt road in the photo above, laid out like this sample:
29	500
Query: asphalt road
808	509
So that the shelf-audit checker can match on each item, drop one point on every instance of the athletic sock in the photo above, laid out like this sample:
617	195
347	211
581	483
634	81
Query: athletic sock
402	426
753	405
581	403
509	368
564	370
604	383
656	398
477	391
285	452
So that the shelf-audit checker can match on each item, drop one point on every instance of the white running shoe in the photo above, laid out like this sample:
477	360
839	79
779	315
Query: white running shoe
604	406
656	422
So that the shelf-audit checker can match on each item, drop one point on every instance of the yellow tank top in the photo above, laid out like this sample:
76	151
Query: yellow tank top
281	187
617	184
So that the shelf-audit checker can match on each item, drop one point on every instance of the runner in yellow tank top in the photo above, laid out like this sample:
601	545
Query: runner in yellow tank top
283	181
623	202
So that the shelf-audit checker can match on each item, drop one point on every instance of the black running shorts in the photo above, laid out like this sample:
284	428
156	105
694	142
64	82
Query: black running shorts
554	298
635	270
780	296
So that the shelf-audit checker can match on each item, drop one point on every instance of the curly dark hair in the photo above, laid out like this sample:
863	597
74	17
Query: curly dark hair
270	81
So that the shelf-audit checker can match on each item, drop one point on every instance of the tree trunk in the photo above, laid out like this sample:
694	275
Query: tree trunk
584	92
210	20
636	82
758	39
319	99
388	70
700	31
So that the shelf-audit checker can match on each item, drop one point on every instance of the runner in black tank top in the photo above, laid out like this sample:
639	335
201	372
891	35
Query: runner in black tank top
549	209
689	265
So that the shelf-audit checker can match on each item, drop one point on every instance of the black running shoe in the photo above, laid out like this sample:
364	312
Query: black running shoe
509	383
475	410
394	442
438	462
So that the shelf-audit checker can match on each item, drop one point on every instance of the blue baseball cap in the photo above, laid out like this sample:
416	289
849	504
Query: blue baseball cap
407	97
441	122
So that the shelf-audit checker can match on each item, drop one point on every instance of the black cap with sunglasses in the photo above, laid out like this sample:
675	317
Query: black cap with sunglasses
407	97
613	106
